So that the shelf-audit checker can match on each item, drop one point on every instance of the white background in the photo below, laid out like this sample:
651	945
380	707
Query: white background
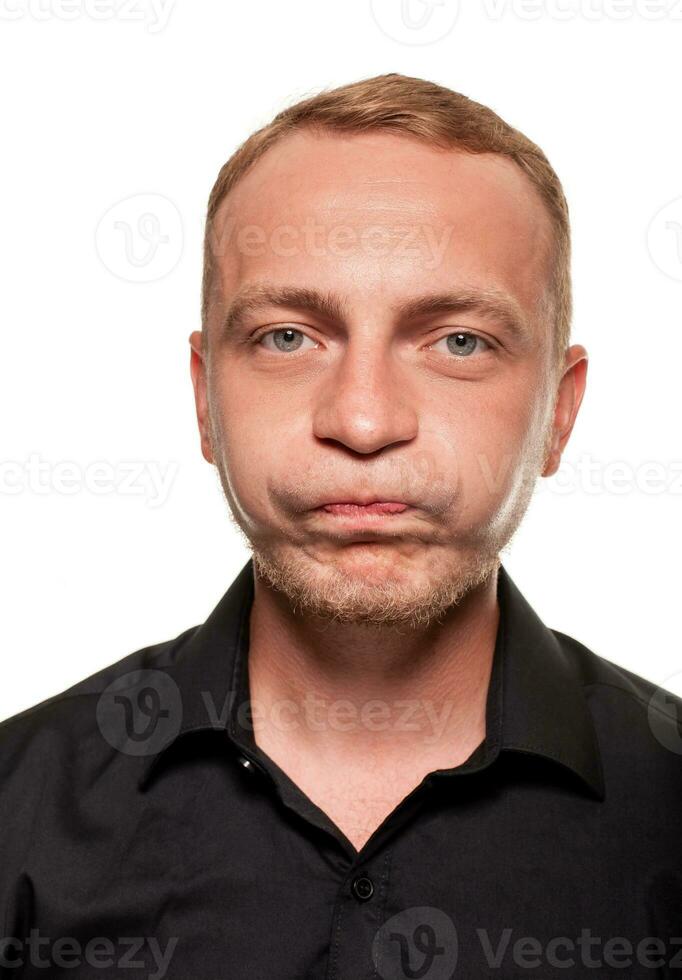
104	101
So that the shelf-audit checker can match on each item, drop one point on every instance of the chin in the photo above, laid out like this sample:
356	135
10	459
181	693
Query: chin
370	584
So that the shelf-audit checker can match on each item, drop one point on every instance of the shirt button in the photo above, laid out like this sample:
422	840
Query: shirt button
362	888
248	765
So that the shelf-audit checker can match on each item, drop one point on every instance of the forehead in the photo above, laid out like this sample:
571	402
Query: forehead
380	213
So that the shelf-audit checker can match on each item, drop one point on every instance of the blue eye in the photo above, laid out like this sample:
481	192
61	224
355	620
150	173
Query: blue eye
287	340
462	344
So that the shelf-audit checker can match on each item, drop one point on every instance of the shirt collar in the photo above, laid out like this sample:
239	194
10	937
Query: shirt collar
535	704
544	704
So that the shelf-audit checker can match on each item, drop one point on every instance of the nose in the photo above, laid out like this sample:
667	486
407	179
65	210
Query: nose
365	404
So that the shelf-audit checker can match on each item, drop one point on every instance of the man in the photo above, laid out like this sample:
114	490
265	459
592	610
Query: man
429	780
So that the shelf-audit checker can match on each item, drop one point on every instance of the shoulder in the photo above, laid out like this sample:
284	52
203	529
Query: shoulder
48	732
67	761
632	714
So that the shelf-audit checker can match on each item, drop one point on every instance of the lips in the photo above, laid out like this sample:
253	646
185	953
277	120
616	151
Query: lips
352	509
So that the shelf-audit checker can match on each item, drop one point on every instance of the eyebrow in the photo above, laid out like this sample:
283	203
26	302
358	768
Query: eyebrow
490	303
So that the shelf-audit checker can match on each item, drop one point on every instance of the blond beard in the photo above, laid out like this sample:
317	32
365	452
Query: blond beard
335	597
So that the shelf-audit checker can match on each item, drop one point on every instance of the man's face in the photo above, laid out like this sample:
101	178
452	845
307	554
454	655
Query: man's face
338	382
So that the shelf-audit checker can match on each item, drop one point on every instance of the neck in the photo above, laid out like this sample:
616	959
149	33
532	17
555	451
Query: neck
334	689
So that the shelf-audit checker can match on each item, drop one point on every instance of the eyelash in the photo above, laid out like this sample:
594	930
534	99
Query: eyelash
465	333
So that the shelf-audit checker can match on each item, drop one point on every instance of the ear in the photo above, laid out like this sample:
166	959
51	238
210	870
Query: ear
569	396
197	367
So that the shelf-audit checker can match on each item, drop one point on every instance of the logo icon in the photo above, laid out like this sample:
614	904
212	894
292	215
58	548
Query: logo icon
140	712
415	21
140	239
664	239
418	943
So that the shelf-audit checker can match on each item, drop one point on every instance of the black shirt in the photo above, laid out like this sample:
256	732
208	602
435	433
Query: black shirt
144	834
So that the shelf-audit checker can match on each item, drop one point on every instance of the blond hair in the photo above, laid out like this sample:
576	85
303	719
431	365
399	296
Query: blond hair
432	113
